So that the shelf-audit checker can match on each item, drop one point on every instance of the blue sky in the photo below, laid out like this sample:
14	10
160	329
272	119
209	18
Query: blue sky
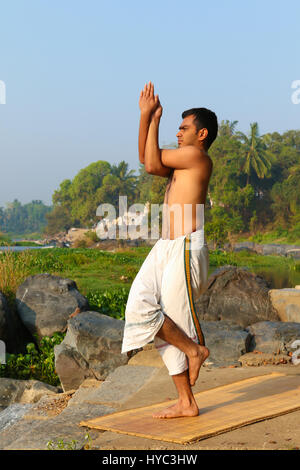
74	69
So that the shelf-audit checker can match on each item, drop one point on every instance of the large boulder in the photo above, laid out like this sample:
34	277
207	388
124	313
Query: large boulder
235	294
91	348
273	337
225	341
287	303
45	302
12	331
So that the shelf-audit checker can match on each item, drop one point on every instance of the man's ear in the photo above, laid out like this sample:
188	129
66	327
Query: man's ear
202	134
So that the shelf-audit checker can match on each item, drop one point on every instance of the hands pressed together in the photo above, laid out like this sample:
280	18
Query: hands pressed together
150	104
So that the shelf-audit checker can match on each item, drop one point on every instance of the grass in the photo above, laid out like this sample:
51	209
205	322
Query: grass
97	271
279	236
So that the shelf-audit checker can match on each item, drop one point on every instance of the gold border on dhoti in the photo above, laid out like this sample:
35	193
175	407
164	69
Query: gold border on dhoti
187	270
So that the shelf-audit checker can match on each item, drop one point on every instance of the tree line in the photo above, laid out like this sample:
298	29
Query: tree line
22	219
254	187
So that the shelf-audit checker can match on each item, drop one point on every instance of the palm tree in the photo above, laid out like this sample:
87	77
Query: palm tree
294	174
227	128
128	179
293	181
256	155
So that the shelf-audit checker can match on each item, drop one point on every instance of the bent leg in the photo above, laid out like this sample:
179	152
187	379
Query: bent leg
196	353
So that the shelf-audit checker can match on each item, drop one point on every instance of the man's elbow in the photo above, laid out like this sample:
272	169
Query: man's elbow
149	168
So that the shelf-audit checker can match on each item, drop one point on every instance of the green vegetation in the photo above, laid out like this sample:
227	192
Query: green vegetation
37	364
112	302
72	445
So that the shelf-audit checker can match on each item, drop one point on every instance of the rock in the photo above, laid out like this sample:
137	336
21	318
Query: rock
12	331
294	253
273	249
70	366
91	348
225	341
3	308
23	391
287	304
61	244
266	248
44	303
118	387
241	246
11	414
35	434
262	359
235	294
273	337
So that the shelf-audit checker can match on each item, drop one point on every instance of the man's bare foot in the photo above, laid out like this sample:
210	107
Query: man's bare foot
196	359
179	410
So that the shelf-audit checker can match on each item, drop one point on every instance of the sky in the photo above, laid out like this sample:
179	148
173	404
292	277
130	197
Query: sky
73	71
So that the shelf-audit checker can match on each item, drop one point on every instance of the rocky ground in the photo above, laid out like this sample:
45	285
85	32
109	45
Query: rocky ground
143	381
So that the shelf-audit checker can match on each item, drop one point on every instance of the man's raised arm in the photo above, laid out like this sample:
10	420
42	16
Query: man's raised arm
146	109
153	164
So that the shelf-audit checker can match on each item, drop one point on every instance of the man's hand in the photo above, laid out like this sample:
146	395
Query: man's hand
148	102
158	112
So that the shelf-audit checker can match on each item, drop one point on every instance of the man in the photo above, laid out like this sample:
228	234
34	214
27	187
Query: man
161	305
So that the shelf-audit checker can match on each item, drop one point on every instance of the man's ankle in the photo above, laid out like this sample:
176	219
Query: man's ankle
187	400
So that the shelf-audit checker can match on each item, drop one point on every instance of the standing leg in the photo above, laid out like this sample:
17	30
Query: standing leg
186	405
196	355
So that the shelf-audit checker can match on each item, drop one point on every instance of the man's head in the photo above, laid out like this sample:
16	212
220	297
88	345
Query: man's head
199	127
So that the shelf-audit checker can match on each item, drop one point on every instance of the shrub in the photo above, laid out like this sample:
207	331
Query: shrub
38	363
112	302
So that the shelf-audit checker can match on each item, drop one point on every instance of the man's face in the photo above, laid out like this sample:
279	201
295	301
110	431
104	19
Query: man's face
187	134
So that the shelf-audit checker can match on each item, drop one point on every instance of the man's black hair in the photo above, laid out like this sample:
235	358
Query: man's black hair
204	118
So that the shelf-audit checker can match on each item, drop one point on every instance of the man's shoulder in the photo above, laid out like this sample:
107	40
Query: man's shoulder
201	156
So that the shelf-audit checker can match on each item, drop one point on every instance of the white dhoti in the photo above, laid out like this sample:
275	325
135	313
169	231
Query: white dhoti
170	281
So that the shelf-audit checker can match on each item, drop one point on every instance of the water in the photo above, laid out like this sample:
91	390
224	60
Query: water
12	414
22	248
278	278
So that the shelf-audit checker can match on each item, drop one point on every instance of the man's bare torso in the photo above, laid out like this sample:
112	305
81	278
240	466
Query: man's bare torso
185	187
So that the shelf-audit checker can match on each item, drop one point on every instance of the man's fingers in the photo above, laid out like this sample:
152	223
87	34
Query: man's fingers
148	89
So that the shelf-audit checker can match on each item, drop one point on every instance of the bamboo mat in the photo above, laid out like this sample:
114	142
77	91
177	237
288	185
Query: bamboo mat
221	409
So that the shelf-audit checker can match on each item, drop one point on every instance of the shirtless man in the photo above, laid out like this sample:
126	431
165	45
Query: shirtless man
189	169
